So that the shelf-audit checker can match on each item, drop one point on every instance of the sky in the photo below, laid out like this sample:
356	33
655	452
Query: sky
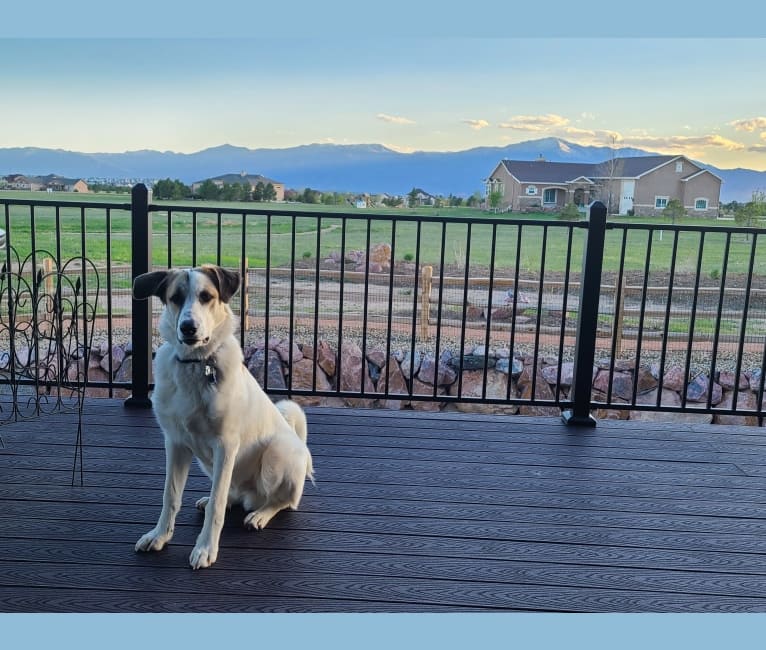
702	97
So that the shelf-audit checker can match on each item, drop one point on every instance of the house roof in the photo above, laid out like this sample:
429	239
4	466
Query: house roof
539	171
253	179
700	172
630	167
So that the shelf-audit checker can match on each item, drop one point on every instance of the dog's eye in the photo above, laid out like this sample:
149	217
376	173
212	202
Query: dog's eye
177	298
204	297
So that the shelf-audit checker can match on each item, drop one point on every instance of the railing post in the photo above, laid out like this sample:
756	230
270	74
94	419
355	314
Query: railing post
587	322
141	253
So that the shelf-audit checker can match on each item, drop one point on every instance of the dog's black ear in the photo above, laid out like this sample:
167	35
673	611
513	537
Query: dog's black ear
226	282
151	284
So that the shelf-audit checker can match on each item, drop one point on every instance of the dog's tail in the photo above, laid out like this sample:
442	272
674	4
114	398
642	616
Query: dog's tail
296	418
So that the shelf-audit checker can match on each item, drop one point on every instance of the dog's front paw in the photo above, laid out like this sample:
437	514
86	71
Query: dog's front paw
202	503
203	556
154	540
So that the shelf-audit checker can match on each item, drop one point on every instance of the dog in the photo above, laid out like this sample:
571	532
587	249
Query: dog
210	407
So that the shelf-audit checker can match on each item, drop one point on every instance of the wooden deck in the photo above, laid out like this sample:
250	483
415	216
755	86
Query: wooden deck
412	512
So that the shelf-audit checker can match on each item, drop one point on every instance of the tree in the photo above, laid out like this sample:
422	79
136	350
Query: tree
392	201
310	196
208	191
412	197
269	193
258	192
674	210
171	189
606	173
473	200
745	214
494	199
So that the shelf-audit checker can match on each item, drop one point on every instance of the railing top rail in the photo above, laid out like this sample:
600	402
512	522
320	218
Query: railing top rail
744	230
104	205
380	216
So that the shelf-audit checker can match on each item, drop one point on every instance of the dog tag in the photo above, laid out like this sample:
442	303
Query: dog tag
210	374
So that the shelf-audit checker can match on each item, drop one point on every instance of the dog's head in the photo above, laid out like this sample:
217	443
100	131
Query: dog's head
196	301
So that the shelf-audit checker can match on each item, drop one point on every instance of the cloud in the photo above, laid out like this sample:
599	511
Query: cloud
684	142
757	148
394	119
753	124
534	123
592	136
477	125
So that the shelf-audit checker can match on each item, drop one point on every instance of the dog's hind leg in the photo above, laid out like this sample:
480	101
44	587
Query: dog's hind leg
280	485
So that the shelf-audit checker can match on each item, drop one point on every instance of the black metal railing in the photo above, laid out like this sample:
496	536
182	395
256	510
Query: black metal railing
473	313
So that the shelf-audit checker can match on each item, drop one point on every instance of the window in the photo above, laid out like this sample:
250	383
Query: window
700	204
495	185
660	201
531	190
549	196
679	166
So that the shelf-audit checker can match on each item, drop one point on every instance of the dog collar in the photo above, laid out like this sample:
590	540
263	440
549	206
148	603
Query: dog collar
211	372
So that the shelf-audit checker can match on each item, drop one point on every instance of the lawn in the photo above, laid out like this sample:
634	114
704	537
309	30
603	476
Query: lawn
324	233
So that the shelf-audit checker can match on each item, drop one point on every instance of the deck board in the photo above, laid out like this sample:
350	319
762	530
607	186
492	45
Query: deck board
411	512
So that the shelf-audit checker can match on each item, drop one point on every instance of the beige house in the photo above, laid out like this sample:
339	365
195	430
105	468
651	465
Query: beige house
50	183
640	185
252	179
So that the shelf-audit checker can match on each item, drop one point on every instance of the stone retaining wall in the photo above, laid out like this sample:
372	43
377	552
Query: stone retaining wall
505	375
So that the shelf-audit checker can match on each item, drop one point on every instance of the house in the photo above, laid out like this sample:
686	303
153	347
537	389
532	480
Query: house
50	183
54	183
640	185
241	178
419	198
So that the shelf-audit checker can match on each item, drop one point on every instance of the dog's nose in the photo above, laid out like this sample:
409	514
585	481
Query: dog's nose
188	327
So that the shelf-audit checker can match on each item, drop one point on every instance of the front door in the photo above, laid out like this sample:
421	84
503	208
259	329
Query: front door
626	196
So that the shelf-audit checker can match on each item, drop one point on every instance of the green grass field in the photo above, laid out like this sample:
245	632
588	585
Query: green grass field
307	240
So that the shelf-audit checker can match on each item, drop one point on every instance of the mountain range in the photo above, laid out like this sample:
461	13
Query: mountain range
371	168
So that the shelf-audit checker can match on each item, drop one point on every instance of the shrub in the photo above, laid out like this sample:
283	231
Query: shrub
674	210
570	212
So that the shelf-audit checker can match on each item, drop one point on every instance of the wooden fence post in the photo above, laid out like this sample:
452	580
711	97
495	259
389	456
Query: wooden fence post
244	296
619	315
426	274
48	275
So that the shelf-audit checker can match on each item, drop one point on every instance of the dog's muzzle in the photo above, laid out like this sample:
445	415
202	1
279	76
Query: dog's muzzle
189	335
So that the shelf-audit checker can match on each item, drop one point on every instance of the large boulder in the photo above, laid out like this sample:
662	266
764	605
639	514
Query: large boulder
472	386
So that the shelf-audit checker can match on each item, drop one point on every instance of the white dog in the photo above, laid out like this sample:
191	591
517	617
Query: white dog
210	407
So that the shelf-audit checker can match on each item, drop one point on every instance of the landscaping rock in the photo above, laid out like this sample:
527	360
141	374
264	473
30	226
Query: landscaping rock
397	385
326	358
667	398
746	401
728	380
429	374
302	378
354	375
472	385
697	391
